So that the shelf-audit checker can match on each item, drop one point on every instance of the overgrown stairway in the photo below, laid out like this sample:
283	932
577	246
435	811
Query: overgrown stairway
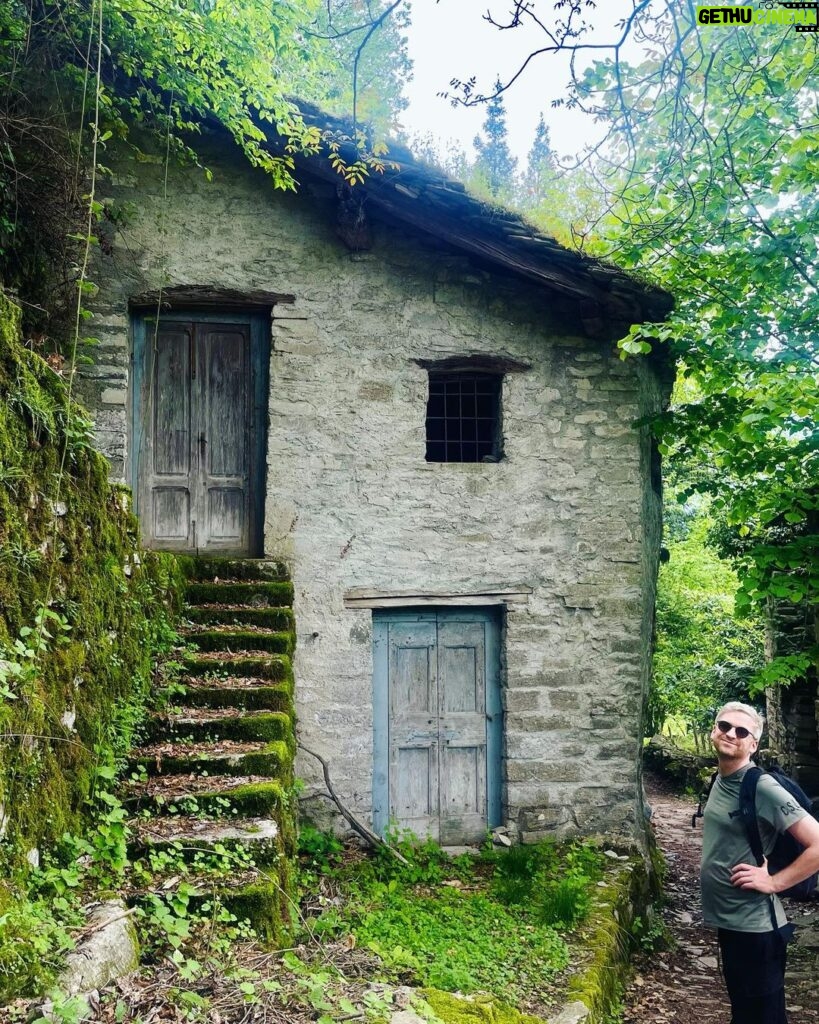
211	788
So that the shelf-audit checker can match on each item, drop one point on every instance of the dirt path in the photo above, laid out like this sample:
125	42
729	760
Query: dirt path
683	985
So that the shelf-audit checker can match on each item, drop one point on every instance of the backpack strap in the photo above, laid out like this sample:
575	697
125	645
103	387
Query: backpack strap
747	810
703	799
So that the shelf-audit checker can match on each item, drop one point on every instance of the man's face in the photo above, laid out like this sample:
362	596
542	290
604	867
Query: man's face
728	743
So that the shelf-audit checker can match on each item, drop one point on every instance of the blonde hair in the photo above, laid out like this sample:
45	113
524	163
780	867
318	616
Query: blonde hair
746	709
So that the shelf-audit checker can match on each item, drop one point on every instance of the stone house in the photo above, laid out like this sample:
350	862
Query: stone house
415	401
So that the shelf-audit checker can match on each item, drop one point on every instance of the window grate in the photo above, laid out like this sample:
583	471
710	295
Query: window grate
463	417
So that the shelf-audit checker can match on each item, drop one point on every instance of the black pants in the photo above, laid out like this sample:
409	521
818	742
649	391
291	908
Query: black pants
753	965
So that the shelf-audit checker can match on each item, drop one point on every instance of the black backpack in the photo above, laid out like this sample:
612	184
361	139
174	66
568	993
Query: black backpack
786	849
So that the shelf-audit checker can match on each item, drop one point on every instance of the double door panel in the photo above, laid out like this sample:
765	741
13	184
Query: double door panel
196	459
437	697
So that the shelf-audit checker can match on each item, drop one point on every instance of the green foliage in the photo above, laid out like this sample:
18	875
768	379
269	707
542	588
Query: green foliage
83	77
81	611
650	934
713	158
170	67
553	883
34	936
319	853
322	990
489	924
706	653
44	907
40	911
378	59
480	1009
562	201
425	935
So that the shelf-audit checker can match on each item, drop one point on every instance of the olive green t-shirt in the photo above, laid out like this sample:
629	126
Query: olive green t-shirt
725	844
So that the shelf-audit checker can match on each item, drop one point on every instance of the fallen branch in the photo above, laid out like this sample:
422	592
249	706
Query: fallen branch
89	929
367	834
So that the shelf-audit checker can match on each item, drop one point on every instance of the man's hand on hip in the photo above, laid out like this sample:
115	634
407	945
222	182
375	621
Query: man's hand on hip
749	876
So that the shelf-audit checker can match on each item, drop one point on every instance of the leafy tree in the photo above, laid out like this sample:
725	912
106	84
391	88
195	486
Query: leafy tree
495	166
710	163
449	157
77	75
369	63
719	198
561	200
706	653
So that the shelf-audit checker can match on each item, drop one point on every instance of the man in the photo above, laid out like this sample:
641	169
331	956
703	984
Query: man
738	897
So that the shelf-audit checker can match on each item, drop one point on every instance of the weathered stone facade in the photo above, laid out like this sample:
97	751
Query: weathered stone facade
564	531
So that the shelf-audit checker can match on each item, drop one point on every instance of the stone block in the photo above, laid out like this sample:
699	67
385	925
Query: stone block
565	700
573	1013
622	750
533	744
521	700
581	595
626	644
113	396
544	819
536	791
519	770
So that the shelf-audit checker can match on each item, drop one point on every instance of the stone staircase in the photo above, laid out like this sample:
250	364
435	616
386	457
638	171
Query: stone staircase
212	783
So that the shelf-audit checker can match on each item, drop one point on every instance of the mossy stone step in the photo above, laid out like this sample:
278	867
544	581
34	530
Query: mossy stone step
258	895
274	697
268	618
207	569
254	595
259	838
275	760
250	797
240	640
254	725
275	667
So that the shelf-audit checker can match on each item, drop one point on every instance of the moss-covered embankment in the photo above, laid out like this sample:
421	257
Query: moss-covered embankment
82	610
622	915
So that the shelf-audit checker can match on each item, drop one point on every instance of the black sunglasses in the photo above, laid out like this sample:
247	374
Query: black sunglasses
740	730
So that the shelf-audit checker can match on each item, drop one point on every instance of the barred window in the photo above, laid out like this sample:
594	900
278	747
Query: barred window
464	417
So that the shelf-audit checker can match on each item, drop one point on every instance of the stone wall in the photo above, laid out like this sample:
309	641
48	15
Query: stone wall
569	513
793	711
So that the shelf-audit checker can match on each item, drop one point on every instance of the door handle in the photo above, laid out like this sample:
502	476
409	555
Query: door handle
203	443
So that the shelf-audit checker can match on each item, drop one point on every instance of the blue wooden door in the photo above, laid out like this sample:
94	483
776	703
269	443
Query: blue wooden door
198	431
438	722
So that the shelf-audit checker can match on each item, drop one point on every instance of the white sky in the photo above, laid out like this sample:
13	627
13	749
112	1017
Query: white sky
450	38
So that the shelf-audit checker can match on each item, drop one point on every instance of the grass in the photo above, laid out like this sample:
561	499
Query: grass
496	924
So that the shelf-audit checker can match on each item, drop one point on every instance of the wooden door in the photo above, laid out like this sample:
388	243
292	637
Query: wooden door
437	723
197	435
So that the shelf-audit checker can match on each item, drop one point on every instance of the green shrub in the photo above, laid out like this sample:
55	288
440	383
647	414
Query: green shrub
318	851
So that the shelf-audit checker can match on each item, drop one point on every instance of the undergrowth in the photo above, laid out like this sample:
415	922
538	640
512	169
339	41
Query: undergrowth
495	923
43	917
